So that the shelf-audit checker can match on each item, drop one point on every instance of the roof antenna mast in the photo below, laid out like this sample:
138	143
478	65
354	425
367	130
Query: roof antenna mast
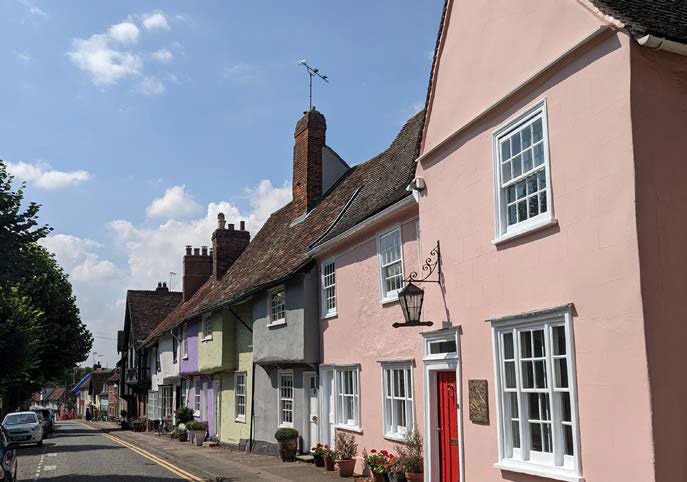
311	73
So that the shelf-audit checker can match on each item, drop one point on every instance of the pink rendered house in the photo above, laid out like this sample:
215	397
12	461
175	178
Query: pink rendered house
370	381
553	167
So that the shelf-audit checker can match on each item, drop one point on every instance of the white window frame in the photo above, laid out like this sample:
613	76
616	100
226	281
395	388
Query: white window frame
503	232
270	295
207	327
184	394
185	342
282	422
240	417
326	311
197	402
390	296
555	465
409	399
353	424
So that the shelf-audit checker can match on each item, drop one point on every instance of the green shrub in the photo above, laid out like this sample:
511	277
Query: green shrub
196	426
284	434
184	415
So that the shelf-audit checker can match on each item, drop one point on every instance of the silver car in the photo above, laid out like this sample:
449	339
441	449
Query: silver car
24	428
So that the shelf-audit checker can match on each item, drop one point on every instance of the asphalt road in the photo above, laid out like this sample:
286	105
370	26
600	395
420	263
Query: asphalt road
75	452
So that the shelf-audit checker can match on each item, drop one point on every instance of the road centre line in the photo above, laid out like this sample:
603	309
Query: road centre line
172	468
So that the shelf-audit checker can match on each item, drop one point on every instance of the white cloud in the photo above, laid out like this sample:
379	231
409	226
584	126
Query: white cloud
98	286
33	9
106	64
163	55
155	20
151	86
174	204
24	57
264	199
240	72
42	175
125	32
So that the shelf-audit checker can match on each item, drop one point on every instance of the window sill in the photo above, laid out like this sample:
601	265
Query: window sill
394	437
276	323
185	357
525	230
389	299
285	425
538	470
326	316
207	338
349	428
240	420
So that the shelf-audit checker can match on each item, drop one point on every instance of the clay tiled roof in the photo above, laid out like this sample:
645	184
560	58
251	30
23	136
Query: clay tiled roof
148	308
662	18
56	394
98	378
280	249
115	376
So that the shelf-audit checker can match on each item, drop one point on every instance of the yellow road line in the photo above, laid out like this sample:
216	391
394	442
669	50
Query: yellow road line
172	468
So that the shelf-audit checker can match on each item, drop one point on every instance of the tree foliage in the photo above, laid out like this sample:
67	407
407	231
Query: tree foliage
41	333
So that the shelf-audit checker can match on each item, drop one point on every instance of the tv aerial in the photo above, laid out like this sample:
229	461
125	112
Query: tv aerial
312	72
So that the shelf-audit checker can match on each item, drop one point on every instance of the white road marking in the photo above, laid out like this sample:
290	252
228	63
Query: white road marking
49	467
51	455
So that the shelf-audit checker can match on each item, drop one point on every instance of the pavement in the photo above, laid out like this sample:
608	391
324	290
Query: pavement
75	452
215	463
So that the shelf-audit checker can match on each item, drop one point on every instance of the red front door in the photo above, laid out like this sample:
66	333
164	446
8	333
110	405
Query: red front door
448	426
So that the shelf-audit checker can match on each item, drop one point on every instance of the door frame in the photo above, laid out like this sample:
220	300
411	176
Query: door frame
432	365
217	406
306	410
325	395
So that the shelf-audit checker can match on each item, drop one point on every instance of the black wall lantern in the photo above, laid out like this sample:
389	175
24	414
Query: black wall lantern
411	296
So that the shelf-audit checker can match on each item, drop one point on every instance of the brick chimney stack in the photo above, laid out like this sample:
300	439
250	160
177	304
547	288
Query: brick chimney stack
227	245
197	270
307	161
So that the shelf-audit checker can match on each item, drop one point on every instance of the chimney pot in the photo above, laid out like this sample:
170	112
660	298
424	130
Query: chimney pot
164	284
196	251
159	284
188	250
231	227
243	225
204	250
220	221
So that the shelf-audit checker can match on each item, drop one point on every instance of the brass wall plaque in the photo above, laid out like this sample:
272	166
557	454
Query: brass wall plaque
479	408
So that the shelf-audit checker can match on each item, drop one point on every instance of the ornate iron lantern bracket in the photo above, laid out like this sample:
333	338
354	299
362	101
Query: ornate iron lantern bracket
411	296
432	264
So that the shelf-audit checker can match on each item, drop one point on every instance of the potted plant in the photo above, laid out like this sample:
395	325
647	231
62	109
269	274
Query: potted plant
329	456
318	455
288	443
197	431
123	421
346	449
183	415
410	454
378	463
396	472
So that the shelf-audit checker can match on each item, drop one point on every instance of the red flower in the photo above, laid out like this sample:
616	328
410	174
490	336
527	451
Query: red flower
373	451
319	445
326	446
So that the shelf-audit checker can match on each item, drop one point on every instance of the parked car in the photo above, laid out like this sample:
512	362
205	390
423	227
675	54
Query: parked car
24	428
48	424
8	457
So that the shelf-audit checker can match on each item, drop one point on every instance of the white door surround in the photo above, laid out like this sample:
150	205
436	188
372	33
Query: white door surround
327	404
436	358
311	432
217	392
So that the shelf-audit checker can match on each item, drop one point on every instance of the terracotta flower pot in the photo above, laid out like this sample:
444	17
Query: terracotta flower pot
329	464
346	467
419	476
287	450
318	460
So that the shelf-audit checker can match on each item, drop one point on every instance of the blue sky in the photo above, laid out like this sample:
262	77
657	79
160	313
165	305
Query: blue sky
134	123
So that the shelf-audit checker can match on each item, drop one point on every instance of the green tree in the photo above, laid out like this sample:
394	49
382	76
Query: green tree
41	333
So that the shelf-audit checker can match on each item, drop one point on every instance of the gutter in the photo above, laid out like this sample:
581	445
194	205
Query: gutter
659	43
375	218
573	48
